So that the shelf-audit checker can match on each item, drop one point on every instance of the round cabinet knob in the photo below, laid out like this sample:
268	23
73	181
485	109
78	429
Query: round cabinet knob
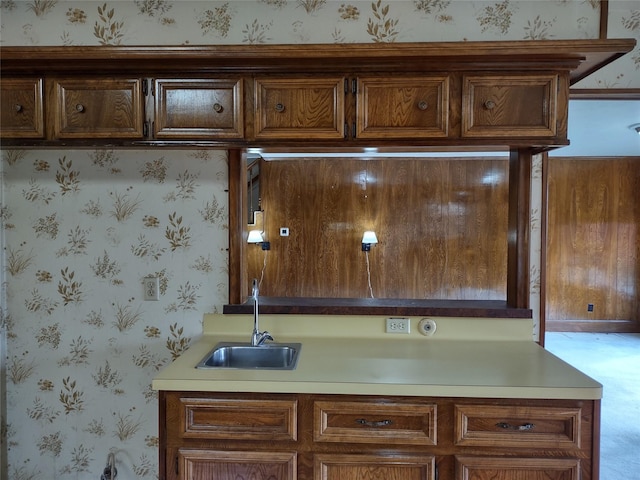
217	108
279	107
423	105
18	108
489	104
79	108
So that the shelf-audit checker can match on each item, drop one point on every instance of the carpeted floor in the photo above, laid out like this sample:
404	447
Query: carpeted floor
612	359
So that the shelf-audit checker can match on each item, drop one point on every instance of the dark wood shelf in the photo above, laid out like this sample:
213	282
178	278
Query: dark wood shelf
381	306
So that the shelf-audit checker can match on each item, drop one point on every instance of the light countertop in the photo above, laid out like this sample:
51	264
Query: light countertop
484	358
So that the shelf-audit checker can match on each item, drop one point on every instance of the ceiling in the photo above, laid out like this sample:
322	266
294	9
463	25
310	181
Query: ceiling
601	128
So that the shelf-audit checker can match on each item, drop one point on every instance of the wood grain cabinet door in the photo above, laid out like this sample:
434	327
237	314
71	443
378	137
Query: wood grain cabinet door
501	468
198	108
374	466
235	465
510	106
300	108
98	108
403	107
21	104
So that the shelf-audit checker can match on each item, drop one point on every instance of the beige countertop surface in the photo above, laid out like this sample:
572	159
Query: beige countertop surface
484	358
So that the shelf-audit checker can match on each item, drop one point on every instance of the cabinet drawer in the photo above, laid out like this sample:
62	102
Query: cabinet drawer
517	426
477	468
352	467
408	107
267	420
300	108
370	422
21	104
200	108
510	106
98	108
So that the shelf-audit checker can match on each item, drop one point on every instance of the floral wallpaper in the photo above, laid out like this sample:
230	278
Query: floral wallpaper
81	228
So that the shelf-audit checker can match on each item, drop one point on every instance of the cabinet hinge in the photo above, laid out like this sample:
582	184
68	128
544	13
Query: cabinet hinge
145	129
178	466
353	132
346	130
346	86
145	87
436	473
354	86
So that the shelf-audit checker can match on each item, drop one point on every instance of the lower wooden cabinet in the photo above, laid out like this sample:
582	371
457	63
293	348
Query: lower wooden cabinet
245	436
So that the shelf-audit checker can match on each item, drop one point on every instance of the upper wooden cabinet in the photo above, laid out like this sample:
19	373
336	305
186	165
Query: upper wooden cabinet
198	108
508	106
402	107
21	105
405	95
98	108
300	108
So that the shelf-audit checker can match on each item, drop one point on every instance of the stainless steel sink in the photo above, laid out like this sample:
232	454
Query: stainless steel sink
270	356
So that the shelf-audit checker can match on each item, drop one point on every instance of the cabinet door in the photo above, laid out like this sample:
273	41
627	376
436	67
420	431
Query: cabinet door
498	468
510	106
407	107
235	465
200	108
21	104
300	108
366	467
98	108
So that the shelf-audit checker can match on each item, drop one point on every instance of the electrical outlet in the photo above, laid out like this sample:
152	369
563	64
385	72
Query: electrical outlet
397	325
151	287
589	307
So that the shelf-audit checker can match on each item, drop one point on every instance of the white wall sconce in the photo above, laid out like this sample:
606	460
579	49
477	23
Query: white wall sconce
255	236
368	238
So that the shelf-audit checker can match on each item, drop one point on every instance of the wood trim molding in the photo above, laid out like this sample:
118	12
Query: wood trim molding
579	57
604	94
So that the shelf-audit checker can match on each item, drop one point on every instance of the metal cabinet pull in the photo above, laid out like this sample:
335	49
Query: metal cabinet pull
18	108
374	423
423	105
489	104
520	428
279	107
217	108
79	108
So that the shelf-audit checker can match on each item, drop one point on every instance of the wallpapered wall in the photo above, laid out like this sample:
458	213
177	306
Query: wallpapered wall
82	228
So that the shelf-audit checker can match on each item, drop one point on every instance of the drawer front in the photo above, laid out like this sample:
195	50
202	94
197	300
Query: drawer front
510	106
500	468
360	467
266	420
210	108
370	422
413	107
104	108
21	104
300	108
517	426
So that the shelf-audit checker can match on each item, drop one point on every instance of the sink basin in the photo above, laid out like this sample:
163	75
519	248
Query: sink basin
270	356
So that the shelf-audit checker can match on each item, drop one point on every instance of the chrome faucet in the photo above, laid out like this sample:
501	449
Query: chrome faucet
257	337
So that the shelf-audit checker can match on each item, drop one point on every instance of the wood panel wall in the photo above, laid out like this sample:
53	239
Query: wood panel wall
593	244
441	226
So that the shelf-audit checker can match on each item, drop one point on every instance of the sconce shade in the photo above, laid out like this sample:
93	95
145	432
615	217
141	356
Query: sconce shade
369	237
255	236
